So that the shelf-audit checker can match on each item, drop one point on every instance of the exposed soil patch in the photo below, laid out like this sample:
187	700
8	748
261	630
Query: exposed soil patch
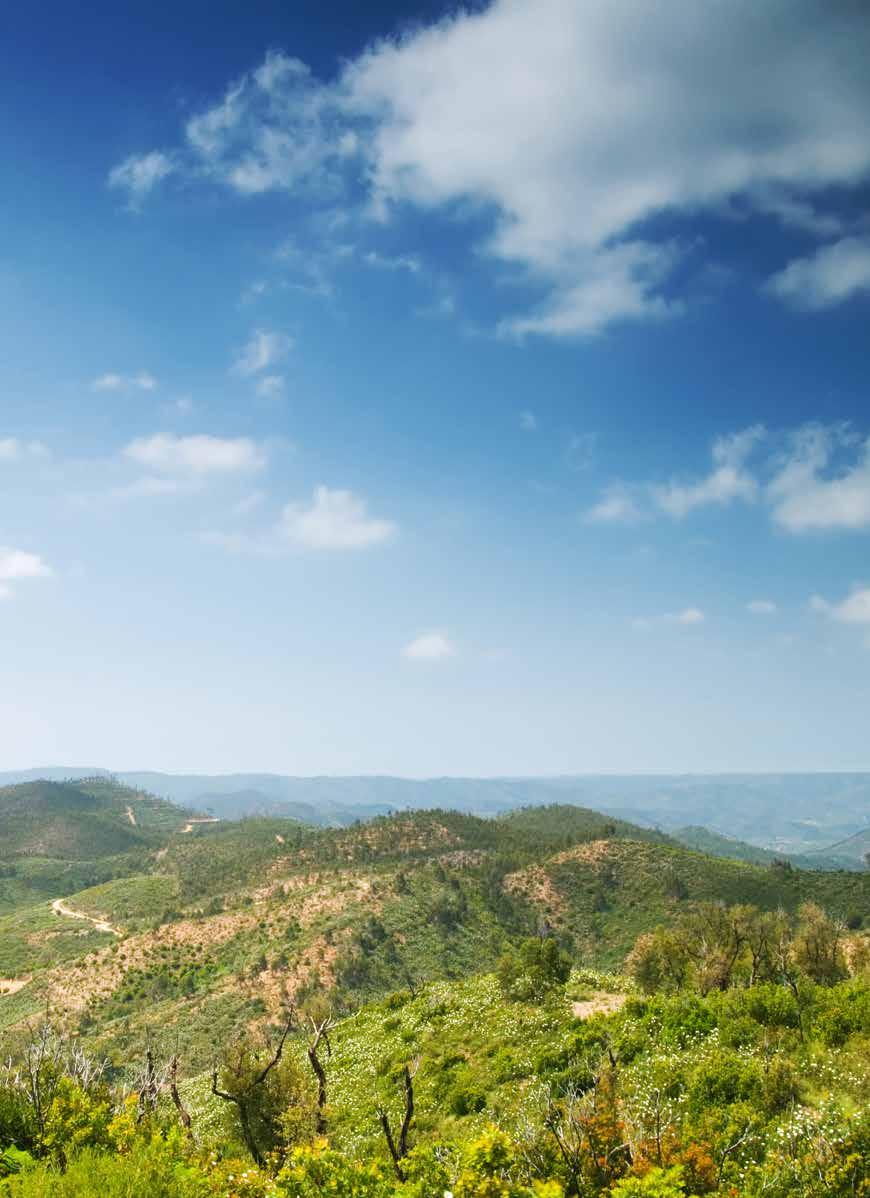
205	819
12	985
599	1003
536	885
59	907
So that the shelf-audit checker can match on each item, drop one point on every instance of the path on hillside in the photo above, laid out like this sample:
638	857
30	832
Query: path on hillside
205	819
601	1002
12	985
59	907
130	816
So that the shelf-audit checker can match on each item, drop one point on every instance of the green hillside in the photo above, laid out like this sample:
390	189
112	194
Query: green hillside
216	925
81	821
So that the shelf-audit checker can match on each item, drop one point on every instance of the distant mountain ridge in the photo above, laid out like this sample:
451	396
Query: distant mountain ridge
783	813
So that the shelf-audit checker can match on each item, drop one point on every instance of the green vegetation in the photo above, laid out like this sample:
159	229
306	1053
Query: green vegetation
552	1002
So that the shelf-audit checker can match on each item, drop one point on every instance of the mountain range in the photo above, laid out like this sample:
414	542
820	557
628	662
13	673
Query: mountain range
825	816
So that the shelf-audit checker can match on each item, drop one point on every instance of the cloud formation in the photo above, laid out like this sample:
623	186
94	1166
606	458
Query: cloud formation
728	480
17	565
198	455
814	478
139	174
823	482
429	646
570	127
833	274
761	607
263	349
617	505
13	449
111	381
334	520
854	609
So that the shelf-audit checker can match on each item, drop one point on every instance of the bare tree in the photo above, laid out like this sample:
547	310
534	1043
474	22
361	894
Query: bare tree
183	1113
245	1097
320	1033
398	1148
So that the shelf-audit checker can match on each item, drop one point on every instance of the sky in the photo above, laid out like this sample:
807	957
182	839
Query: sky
419	389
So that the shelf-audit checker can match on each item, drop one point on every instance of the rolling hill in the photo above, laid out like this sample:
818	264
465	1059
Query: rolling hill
206	927
786	813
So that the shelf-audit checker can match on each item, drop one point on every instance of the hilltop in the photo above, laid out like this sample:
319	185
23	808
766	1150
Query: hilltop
207	926
789	814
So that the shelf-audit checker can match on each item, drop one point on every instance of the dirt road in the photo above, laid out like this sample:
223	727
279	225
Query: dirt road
59	907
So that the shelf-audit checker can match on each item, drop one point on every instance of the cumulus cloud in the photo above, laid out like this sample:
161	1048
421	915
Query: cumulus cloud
334	520
813	478
617	505
823	481
568	127
579	122
264	348
199	455
17	565
727	481
761	607
832	274
429	646
139	174
111	381
854	609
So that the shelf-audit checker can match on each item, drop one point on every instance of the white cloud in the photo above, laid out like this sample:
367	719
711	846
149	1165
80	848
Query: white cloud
270	386
690	615
727	481
617	505
398	262
139	174
274	129
810	491
577	122
761	607
199	455
528	422
854	609
111	381
16	564
832	274
263	349
334	520
568	126
12	449
429	646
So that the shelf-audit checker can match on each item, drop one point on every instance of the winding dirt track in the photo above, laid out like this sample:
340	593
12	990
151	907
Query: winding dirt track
59	907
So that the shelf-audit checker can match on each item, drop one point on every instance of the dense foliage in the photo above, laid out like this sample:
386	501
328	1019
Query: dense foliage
422	1005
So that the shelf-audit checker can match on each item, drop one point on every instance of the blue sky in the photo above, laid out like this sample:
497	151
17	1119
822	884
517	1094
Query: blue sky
399	389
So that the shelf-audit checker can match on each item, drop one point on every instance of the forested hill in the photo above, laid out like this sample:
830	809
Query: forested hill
784	813
210	925
553	975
